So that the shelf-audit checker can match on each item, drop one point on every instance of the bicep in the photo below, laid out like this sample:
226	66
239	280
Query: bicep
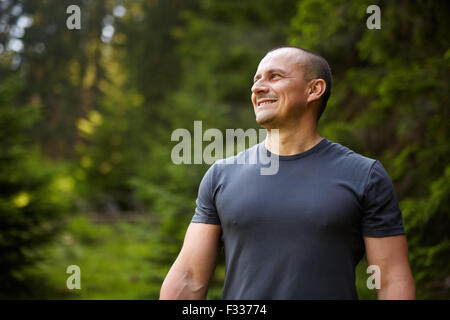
200	251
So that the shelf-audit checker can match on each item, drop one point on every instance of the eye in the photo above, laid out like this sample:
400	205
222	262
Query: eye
275	75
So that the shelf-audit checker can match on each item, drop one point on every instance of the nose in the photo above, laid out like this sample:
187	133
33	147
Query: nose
259	87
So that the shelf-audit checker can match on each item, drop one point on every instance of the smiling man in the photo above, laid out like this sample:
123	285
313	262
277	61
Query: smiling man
297	234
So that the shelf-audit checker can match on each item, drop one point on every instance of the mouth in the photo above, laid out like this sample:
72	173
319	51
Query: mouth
266	102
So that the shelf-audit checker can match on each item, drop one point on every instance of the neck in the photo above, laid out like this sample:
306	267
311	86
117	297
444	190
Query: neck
292	140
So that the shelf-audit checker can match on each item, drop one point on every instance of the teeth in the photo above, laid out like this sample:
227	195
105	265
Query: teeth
266	102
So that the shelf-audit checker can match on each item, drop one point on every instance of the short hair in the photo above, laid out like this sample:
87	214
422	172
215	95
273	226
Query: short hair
315	67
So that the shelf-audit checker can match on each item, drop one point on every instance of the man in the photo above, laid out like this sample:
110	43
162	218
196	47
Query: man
299	233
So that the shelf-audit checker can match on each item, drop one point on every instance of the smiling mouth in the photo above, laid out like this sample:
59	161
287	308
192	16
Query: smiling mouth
265	102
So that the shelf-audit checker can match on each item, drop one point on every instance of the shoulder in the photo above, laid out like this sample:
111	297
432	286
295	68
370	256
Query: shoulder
345	157
362	172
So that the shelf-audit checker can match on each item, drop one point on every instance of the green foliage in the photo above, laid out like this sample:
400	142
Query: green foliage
112	144
115	260
30	202
86	232
428	223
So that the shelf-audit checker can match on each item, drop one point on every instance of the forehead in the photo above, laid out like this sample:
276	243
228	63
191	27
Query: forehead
286	59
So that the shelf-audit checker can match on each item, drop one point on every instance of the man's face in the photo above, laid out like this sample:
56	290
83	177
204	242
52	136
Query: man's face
279	89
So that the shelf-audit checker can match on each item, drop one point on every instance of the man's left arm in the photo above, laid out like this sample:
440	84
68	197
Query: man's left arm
390	254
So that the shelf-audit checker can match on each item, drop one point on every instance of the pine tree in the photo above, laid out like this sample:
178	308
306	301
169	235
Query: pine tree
29	206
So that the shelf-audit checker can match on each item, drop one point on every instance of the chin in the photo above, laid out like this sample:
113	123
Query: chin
265	121
264	116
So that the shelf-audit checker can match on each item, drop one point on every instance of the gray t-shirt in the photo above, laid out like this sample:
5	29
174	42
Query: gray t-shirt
297	234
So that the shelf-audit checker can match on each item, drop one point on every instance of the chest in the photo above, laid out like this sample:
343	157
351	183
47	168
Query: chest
290	202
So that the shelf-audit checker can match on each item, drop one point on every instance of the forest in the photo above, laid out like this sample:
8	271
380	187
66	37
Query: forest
90	96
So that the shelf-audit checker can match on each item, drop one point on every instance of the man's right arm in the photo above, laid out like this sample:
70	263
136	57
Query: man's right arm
189	276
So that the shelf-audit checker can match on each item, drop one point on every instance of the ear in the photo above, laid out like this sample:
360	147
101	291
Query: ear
316	89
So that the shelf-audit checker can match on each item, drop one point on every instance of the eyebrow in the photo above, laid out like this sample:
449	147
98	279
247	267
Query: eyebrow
271	71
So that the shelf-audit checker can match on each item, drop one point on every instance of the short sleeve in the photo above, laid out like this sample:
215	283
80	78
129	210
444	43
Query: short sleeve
205	211
381	213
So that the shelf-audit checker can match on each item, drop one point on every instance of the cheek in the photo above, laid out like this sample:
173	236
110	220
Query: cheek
295	94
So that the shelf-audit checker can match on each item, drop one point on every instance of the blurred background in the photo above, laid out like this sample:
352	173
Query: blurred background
86	117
